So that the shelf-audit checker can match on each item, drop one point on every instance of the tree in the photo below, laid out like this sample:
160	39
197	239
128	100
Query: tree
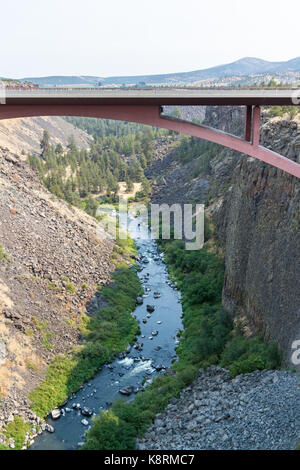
175	113
143	160
148	144
59	149
45	143
129	185
146	187
91	206
72	144
136	171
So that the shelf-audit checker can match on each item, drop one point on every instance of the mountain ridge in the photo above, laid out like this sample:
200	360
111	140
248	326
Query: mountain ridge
241	67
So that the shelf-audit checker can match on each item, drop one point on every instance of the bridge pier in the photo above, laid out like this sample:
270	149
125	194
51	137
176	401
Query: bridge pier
256	126
248	123
252	124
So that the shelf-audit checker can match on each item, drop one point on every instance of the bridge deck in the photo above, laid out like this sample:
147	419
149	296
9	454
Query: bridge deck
156	96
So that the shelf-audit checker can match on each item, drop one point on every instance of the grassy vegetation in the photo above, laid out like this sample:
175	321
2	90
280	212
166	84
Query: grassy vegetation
16	430
70	288
208	338
4	447
280	111
43	328
107	332
242	355
30	365
3	255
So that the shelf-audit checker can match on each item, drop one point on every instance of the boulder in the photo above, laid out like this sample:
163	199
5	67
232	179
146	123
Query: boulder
49	428
86	411
150	308
56	413
11	443
126	390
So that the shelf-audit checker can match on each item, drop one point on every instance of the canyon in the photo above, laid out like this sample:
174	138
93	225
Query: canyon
53	261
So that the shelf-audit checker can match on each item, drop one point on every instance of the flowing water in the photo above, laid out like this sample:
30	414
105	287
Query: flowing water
158	352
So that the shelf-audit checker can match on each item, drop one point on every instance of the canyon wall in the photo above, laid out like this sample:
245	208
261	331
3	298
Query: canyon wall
258	222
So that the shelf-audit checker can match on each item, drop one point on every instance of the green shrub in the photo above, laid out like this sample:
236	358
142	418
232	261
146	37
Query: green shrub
3	255
110	432
17	430
70	287
280	111
214	329
242	356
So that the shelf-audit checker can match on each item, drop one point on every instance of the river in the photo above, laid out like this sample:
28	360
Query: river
157	351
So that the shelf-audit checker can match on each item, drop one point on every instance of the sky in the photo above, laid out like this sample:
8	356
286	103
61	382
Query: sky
131	37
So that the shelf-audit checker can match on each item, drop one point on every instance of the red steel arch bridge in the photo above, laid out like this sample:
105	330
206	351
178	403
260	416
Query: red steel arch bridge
145	106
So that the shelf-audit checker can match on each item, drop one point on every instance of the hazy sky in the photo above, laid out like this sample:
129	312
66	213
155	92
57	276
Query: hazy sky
130	37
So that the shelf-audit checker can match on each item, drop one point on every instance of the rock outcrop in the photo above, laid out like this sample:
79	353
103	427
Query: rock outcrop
258	221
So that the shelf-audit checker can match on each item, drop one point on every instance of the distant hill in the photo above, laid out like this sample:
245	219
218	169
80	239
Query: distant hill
242	67
24	134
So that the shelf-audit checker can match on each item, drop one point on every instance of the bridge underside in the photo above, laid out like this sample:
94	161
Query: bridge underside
152	115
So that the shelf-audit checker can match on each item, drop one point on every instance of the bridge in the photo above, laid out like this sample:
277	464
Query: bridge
145	106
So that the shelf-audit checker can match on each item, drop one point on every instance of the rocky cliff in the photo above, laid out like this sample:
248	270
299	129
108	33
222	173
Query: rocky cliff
50	265
258	221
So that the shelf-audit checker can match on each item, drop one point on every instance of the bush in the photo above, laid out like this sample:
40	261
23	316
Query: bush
110	432
3	255
214	329
70	287
242	356
17	430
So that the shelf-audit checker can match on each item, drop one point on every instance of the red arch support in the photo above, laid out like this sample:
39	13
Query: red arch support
151	115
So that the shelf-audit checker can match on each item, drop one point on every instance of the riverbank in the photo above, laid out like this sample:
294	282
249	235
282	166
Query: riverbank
106	332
